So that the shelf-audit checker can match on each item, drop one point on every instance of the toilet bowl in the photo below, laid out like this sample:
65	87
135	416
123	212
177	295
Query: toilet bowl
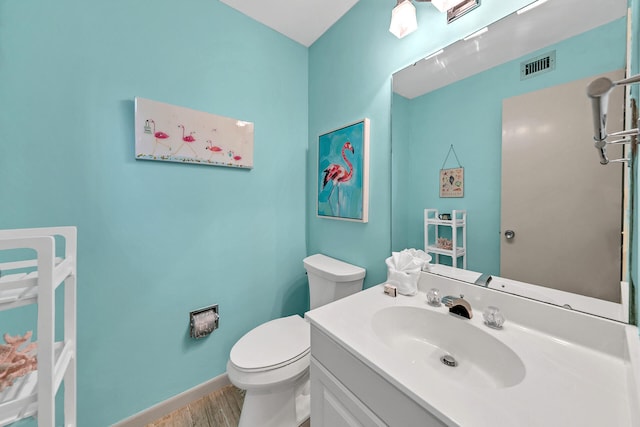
271	362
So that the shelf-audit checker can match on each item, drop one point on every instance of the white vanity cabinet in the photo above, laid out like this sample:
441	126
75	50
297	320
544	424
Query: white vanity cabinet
373	363
336	406
346	392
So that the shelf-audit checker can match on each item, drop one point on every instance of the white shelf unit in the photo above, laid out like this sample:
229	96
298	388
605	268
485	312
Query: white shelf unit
458	222
34	394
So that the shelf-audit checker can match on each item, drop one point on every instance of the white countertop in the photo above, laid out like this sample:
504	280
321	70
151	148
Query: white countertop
567	383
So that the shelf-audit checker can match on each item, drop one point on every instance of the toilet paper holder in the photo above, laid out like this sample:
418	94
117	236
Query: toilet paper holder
203	321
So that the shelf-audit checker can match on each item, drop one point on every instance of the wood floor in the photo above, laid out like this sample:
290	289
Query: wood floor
219	409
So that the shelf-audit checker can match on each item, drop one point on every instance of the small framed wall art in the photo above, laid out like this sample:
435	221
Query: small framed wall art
170	133
343	173
451	180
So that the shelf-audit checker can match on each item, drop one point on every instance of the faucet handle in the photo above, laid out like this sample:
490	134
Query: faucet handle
433	297
493	318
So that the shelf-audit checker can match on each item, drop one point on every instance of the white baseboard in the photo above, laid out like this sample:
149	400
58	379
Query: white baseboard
176	402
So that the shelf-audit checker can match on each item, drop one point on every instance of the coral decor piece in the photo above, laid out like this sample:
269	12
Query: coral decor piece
16	362
444	243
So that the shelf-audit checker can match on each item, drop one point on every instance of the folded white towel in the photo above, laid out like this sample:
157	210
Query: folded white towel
403	269
421	255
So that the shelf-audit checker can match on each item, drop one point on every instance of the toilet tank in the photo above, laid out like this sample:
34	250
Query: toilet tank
331	279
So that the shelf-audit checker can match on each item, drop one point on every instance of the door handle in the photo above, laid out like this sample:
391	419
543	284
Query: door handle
509	234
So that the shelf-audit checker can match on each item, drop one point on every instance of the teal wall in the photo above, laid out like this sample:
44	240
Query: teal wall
468	114
349	78
156	240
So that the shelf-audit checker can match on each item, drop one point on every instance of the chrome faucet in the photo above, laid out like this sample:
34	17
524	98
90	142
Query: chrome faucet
483	280
458	306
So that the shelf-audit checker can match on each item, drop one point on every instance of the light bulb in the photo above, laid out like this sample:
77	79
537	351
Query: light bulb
403	19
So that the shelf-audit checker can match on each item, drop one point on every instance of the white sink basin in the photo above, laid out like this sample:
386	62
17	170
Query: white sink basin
422	336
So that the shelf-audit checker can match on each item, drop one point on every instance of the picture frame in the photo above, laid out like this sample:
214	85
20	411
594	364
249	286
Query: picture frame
452	182
170	133
343	173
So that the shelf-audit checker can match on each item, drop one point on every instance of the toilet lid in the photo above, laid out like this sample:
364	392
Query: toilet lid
272	344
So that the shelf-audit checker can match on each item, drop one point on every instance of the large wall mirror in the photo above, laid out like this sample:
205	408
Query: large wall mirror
511	100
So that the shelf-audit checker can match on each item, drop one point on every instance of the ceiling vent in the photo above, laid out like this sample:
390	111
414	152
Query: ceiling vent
538	65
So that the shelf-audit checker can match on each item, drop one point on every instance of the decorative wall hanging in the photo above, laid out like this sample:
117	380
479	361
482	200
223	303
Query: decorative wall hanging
176	134
452	180
343	173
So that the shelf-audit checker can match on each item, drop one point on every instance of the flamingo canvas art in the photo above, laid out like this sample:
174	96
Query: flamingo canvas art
176	134
343	173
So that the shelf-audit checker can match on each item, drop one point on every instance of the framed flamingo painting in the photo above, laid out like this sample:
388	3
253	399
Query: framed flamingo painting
170	133
343	173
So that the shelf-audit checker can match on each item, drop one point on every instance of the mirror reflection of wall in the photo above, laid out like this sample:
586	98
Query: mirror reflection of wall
468	114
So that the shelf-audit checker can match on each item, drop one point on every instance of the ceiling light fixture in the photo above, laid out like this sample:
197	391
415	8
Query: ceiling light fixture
461	9
403	19
403	15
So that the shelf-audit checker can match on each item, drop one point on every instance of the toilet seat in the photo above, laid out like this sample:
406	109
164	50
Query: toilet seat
272	345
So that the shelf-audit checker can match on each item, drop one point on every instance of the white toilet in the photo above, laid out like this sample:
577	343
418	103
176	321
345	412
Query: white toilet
271	362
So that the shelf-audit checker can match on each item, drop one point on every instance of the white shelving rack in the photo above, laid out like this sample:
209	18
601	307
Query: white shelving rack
432	224
34	394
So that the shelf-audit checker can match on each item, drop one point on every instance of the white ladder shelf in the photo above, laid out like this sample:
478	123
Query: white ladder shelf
34	394
432	223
